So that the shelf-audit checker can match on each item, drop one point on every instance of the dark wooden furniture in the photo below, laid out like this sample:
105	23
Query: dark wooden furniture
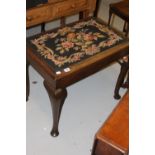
98	3
121	9
124	71
113	137
56	82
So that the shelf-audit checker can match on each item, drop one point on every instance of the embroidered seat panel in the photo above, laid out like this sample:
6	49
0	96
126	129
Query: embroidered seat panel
71	44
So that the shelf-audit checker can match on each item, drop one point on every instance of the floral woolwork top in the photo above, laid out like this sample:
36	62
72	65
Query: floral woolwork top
71	44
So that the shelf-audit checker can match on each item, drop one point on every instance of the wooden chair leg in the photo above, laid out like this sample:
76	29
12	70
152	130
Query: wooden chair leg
27	81
126	28
125	25
110	15
98	2
84	14
126	83
43	27
80	15
57	99
120	80
62	21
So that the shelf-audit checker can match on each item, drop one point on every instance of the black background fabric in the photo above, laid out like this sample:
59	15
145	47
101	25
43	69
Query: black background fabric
33	3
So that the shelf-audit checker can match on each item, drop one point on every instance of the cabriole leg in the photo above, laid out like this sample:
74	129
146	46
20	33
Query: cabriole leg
57	99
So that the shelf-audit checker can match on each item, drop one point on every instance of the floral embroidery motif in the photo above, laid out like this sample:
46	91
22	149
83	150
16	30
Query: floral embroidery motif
74	43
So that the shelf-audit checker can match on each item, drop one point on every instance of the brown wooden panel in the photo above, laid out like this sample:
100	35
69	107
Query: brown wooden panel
113	137
103	148
39	15
56	9
116	128
69	7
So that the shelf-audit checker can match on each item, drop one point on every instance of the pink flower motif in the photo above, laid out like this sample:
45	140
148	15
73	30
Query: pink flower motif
92	50
67	44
